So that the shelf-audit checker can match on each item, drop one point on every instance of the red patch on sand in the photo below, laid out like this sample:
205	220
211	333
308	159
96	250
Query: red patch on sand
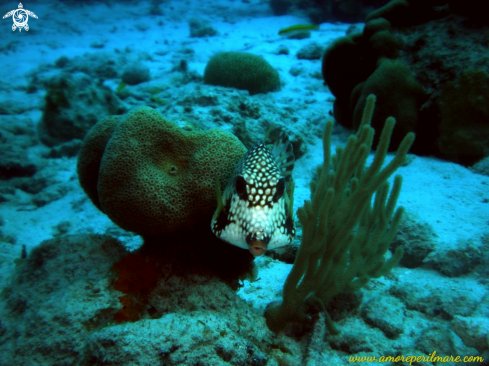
138	276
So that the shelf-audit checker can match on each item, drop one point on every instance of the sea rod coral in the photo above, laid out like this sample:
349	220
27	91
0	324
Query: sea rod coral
344	236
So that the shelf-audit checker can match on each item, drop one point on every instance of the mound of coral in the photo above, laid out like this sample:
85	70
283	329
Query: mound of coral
426	63
152	177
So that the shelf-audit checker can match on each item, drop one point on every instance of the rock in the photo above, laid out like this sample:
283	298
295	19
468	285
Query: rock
296	70
385	313
14	162
456	261
311	51
50	194
420	291
201	28
282	50
439	341
474	331
136	73
416	238
67	149
481	167
74	103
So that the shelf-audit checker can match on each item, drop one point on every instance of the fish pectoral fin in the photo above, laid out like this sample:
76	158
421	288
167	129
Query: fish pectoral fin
290	196
218	197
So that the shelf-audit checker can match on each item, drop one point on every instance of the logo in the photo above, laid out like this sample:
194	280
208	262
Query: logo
20	17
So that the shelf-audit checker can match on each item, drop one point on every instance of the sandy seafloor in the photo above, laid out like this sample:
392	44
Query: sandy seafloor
446	196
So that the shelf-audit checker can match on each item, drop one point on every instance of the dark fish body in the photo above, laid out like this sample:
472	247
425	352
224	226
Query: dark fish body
255	211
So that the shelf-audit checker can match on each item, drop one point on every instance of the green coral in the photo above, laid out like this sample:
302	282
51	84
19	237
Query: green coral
464	110
91	153
242	70
398	94
151	177
344	236
360	64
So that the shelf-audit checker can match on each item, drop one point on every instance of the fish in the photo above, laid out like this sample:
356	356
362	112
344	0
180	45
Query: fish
120	87
255	211
298	27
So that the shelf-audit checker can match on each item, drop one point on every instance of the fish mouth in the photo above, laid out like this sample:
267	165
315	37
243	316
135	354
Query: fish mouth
257	248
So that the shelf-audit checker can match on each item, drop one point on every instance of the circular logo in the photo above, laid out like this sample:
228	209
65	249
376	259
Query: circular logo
20	18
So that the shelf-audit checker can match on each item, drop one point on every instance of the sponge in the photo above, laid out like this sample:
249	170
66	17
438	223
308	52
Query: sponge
242	70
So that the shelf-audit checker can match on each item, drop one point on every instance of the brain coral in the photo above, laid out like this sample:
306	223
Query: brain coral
242	70
154	177
91	154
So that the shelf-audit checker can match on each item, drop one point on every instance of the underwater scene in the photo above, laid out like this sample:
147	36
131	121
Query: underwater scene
244	182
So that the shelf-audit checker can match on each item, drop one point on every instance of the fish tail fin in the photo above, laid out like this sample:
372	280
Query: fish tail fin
283	152
267	135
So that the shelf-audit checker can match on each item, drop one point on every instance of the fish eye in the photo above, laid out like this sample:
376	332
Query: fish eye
280	188
240	185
